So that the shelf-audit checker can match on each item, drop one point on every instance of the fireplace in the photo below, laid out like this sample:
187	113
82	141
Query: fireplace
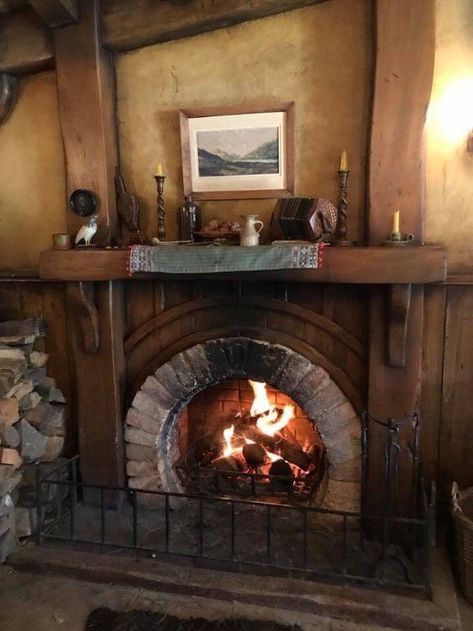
309	450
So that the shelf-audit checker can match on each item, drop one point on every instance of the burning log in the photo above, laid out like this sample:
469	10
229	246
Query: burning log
254	454
280	446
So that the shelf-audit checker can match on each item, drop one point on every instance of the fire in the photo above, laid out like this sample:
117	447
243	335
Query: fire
261	402
270	420
228	435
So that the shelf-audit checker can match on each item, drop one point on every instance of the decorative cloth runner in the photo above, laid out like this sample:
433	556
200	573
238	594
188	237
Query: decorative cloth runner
201	259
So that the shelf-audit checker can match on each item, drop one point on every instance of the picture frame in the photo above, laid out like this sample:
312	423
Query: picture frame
238	152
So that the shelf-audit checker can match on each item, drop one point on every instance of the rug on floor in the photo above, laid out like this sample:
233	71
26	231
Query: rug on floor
104	619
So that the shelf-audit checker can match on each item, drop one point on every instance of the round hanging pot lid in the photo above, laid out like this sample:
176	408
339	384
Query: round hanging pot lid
83	202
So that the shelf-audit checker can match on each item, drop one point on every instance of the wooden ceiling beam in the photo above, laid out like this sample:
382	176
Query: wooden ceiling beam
56	12
25	44
127	25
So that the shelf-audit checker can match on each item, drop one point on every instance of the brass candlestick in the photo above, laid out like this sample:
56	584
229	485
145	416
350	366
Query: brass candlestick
341	230
160	203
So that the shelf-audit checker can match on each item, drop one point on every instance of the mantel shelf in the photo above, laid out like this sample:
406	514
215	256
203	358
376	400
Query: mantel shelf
362	265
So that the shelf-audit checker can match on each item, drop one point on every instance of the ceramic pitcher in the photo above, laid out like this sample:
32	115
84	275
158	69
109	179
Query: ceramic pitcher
250	232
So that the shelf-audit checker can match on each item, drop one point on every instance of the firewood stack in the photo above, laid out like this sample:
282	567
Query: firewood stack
32	425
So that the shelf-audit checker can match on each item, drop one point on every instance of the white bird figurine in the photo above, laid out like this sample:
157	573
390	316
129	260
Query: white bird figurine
87	232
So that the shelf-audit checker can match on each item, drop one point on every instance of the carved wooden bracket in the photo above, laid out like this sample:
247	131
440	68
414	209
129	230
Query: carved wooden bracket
81	297
399	302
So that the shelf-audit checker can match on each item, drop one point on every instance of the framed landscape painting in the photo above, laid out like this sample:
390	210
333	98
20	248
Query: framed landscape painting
230	153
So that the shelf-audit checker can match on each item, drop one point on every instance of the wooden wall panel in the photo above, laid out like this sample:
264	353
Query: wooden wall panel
456	428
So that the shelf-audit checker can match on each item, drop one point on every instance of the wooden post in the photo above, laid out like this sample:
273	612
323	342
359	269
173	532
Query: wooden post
403	82
86	108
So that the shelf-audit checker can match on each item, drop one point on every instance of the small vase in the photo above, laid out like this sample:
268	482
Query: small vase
249	236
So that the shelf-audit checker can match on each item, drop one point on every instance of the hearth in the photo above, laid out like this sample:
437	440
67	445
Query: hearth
196	425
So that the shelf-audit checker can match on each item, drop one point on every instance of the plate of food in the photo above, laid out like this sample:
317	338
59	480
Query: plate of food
227	231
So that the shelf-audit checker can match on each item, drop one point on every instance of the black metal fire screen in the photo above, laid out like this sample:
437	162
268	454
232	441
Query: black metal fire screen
230	533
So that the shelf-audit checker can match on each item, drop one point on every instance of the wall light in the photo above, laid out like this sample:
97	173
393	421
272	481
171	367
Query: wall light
451	112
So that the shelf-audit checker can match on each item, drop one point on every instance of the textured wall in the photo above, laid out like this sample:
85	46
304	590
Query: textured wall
319	57
32	177
449	184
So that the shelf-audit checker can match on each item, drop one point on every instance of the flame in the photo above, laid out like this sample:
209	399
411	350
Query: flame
261	402
228	434
270	424
273	457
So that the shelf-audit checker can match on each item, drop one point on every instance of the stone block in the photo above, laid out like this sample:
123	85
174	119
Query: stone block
151	407
141	468
344	496
185	373
9	412
139	437
297	367
53	448
324	400
29	401
146	483
56	396
237	349
197	358
344	446
10	437
140	452
347	470
157	391
167	376
217	359
138	419
312	383
37	359
266	361
33	444
9	479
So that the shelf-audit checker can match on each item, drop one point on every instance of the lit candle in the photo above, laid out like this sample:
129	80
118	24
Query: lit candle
343	161
159	169
395	228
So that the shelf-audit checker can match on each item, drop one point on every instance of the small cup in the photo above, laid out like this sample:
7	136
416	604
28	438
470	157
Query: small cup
61	241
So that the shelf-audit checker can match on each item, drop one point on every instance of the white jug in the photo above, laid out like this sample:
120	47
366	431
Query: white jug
249	234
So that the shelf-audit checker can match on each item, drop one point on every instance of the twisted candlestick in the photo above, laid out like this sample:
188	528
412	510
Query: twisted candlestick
160	203
341	231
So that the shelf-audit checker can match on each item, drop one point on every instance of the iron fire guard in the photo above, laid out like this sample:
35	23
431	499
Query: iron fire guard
380	549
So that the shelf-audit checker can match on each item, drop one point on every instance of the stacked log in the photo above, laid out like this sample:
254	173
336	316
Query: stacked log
32	425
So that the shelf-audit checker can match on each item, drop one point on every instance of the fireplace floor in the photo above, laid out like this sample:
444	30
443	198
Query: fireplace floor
61	585
322	552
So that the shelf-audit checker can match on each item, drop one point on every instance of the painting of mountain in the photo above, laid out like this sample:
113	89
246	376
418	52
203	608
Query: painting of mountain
225	152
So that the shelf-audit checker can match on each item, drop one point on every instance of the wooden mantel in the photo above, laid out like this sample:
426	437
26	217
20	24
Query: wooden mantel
361	265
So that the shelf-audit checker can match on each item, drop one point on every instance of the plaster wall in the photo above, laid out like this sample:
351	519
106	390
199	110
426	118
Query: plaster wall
319	57
32	175
449	173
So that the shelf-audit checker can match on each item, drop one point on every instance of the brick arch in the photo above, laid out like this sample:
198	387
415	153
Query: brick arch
153	419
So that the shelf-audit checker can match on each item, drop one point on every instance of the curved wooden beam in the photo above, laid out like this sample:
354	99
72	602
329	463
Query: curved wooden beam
191	306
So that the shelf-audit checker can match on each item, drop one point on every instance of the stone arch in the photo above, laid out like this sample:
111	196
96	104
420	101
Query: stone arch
153	418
